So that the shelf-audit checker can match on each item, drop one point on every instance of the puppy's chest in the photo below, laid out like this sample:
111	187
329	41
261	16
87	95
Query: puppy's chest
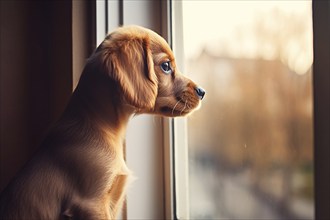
119	180
117	167
120	168
116	173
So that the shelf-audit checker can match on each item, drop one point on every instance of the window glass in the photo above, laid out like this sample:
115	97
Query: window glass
251	143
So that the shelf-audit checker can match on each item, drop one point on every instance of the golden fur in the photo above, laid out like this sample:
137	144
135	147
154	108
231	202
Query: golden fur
79	171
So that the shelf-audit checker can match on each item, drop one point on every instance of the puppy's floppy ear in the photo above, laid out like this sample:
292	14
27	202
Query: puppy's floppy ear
129	61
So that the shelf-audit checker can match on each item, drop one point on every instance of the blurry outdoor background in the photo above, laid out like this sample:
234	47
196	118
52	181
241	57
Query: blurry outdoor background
251	143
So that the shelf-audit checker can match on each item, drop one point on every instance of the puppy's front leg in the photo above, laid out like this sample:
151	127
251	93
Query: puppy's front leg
117	194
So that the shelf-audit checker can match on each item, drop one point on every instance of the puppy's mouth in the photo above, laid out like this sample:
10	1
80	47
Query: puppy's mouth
179	106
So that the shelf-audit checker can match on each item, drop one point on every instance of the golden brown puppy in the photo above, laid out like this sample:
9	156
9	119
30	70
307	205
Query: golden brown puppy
79	171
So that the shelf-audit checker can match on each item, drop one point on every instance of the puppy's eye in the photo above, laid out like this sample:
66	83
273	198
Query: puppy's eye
166	67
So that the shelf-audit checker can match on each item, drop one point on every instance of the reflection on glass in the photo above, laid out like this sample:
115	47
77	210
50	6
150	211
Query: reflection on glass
251	143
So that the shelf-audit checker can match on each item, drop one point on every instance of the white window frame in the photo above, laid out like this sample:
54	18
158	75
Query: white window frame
180	124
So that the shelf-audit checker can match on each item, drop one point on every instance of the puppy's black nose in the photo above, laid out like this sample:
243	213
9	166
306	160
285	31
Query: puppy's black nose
200	92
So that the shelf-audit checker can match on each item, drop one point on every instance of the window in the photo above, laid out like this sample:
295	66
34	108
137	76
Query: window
250	146
241	149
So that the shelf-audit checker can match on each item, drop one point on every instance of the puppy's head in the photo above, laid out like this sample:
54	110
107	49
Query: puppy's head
144	66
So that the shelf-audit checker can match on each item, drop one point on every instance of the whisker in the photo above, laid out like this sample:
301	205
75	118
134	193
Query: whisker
189	107
184	107
175	106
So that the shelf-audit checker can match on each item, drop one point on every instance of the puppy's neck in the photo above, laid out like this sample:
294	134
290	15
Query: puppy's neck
101	107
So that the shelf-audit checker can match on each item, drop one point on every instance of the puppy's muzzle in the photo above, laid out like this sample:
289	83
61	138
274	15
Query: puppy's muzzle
200	92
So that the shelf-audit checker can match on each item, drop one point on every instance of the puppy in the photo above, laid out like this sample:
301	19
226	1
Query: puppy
79	171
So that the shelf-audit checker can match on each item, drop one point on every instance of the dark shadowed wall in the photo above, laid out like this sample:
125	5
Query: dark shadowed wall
43	46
